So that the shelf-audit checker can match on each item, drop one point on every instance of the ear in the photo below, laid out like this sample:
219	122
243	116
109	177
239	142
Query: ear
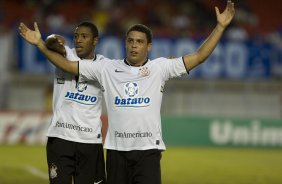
95	41
149	47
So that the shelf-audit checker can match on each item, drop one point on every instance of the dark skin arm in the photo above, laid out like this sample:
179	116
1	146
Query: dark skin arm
34	38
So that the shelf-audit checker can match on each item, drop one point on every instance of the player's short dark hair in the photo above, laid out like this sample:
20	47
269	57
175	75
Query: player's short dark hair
141	28
91	26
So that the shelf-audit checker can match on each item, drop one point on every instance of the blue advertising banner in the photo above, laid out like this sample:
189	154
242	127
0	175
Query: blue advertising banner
230	60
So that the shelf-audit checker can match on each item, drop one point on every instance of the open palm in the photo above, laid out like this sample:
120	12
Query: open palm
227	15
33	37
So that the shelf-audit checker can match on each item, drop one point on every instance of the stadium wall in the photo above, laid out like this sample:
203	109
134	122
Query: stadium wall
31	127
189	97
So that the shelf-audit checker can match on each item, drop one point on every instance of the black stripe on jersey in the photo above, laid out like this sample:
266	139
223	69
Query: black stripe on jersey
78	68
77	77
95	57
185	65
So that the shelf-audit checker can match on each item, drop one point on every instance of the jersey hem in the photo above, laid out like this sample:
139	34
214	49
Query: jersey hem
75	140
134	148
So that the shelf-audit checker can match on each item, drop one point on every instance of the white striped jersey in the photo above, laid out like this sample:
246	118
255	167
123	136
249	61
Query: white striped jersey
76	106
133	98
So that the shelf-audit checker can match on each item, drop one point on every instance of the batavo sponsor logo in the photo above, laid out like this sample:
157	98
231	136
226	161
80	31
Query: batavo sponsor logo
132	134
251	134
81	98
132	102
131	91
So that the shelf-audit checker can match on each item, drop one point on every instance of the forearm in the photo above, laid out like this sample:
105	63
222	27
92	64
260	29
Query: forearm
210	43
58	60
193	60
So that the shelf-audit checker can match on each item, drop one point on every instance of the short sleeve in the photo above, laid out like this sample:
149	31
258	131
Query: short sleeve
172	67
91	70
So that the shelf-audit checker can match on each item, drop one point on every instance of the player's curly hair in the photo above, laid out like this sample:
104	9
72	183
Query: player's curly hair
141	28
91	26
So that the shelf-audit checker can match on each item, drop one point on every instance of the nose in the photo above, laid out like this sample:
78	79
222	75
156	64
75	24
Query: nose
134	44
78	39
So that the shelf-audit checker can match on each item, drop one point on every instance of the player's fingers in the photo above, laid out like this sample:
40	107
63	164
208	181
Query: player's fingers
60	42
22	32
22	26
230	5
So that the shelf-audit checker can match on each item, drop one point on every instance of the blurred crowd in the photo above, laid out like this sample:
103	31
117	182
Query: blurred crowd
166	18
193	18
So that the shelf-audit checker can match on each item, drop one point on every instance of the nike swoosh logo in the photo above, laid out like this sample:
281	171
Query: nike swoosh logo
98	182
116	70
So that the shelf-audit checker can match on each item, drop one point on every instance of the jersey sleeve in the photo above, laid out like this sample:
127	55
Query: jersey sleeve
91	70
172	67
70	54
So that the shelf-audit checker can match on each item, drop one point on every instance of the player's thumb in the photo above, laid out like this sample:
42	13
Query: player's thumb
216	10
36	27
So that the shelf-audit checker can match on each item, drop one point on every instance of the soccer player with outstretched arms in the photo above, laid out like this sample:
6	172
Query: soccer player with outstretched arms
74	146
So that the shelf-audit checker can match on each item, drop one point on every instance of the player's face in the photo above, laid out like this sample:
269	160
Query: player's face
137	48
84	42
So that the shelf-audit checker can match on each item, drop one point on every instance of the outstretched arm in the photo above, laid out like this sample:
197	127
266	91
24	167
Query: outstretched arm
223	20
34	38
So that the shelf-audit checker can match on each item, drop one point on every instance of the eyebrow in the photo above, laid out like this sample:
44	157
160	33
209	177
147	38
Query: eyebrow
83	33
138	39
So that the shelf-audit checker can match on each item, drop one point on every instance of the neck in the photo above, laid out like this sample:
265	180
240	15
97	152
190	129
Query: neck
136	64
91	57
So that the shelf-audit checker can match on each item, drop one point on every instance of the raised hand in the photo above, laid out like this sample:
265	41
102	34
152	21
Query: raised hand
32	37
224	18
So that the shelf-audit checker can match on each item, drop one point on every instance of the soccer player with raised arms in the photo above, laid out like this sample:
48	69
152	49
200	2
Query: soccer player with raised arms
132	90
74	146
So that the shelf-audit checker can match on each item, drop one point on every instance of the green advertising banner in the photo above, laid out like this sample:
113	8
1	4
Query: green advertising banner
197	131
31	127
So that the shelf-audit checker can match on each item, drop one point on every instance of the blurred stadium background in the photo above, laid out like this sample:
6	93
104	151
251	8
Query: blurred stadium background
222	123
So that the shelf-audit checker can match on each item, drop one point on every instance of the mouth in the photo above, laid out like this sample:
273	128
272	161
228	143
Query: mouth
133	53
78	48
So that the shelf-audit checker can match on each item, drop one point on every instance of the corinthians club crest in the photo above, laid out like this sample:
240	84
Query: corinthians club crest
81	86
144	71
131	89
53	171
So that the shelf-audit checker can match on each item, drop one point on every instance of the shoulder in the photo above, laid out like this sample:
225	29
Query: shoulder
163	59
71	53
158	61
103	58
164	64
